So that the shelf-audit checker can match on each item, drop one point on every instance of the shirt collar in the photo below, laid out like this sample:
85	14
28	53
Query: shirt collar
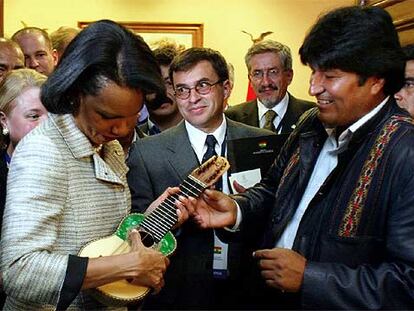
134	139
197	137
150	123
345	137
280	108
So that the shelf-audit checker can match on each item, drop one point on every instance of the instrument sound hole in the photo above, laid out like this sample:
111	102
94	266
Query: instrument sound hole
146	238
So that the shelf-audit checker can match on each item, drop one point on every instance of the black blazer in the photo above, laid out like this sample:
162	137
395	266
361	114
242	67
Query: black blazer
247	113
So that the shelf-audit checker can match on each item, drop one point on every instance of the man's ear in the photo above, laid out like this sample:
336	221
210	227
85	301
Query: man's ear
377	85
55	56
227	87
248	78
289	75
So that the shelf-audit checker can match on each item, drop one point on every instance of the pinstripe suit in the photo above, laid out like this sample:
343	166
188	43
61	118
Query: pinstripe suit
61	195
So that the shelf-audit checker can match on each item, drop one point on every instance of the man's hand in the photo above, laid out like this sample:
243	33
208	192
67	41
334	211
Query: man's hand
239	188
281	268
214	209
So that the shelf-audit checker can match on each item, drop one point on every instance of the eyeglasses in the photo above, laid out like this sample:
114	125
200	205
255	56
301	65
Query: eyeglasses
202	88
258	75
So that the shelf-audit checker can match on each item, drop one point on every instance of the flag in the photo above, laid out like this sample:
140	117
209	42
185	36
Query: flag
250	93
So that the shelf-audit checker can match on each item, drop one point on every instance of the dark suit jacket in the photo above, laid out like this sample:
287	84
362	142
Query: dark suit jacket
247	113
165	160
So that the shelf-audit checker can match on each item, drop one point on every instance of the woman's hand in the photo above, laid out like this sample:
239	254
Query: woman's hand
150	264
142	265
183	207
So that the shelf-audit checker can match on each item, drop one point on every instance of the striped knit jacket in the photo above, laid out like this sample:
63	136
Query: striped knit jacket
61	195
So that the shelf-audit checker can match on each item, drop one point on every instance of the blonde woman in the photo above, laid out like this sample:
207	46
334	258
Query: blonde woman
20	111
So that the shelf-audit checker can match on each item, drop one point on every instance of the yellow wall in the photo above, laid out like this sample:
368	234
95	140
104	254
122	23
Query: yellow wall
223	21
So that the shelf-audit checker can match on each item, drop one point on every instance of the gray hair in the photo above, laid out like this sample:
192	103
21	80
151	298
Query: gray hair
272	46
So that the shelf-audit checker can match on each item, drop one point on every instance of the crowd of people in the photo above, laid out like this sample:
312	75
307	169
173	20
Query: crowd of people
329	226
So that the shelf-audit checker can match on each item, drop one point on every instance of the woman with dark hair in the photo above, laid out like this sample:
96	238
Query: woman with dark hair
67	181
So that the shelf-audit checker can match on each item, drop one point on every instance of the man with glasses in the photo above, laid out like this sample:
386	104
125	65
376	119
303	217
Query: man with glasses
405	96
270	72
204	272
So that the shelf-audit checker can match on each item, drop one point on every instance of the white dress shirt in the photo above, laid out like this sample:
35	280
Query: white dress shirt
197	140
325	164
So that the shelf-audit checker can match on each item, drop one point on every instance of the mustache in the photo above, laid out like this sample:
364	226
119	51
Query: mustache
168	100
266	87
154	101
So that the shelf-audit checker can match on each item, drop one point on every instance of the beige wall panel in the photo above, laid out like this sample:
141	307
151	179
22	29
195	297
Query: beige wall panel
223	21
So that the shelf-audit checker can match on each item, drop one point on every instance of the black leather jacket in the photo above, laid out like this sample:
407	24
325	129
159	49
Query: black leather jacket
374	266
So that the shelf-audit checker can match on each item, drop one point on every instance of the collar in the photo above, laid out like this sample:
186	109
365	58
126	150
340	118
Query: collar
346	136
77	142
197	137
134	139
111	167
280	108
151	124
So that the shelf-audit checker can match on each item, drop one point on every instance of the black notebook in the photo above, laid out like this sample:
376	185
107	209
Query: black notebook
255	152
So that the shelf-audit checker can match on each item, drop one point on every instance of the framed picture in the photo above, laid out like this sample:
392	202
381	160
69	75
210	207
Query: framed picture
187	34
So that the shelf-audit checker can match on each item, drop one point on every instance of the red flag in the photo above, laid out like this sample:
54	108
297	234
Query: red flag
250	93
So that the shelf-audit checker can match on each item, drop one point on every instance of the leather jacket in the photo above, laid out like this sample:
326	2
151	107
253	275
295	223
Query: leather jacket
371	268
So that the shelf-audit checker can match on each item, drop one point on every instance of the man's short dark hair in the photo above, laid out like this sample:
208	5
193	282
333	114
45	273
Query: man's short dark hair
191	57
409	52
362	40
103	51
30	30
166	51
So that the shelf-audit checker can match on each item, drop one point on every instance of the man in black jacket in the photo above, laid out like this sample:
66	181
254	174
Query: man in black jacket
337	206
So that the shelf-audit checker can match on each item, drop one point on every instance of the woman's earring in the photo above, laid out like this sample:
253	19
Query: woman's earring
5	131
